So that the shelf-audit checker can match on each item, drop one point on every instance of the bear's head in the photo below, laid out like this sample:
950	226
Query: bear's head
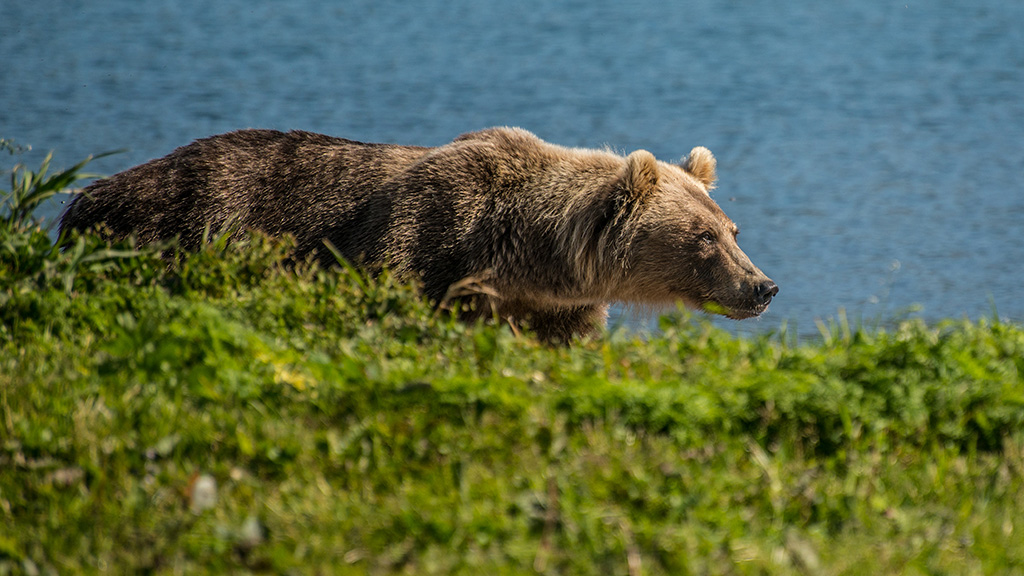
676	243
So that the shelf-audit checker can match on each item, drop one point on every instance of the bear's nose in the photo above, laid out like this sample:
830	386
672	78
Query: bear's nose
765	291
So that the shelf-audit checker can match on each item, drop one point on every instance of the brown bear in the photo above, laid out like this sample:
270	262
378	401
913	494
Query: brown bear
555	233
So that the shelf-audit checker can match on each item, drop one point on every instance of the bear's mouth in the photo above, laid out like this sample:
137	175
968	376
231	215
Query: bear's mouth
741	313
748	312
751	301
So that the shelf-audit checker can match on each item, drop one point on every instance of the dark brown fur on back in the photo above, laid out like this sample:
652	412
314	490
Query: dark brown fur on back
558	233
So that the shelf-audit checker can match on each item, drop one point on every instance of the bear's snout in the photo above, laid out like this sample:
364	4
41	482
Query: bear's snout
764	292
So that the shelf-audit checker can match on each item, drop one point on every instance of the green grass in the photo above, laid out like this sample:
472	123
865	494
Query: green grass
352	429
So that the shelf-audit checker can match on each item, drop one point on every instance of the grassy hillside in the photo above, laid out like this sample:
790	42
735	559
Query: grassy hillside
222	412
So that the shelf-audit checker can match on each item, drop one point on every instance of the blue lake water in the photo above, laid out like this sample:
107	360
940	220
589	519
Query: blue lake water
872	152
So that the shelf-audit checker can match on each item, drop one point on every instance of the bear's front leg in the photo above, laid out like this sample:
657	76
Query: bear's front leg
561	325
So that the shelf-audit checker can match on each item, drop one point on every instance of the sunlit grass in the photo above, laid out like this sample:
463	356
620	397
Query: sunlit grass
342	425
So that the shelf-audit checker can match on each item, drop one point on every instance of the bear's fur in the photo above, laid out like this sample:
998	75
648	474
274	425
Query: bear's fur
556	233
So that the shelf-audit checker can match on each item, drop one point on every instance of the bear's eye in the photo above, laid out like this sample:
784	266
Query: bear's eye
707	238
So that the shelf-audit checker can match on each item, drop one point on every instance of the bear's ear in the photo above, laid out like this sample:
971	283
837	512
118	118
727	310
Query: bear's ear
701	163
641	176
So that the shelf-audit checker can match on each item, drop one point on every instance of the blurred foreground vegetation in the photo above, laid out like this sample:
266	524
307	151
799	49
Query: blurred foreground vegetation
224	412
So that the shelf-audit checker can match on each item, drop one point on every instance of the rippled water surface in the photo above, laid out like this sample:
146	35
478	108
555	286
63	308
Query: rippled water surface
872	152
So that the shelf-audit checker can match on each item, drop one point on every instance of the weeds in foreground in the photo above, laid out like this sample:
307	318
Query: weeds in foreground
30	189
226	411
